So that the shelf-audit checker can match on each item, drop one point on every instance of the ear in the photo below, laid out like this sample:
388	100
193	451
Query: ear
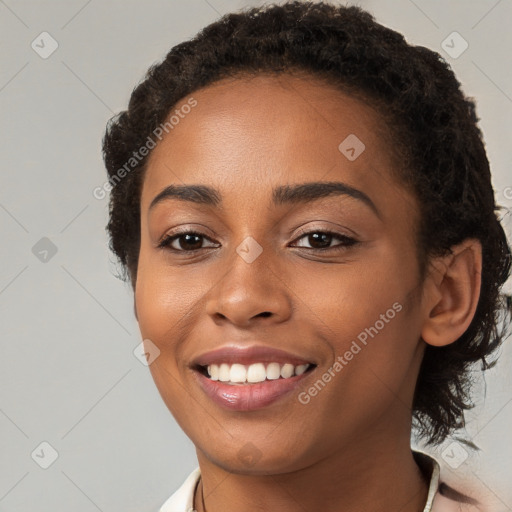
135	307
451	293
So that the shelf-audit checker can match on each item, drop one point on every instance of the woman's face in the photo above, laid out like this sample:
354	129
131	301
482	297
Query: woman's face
260	273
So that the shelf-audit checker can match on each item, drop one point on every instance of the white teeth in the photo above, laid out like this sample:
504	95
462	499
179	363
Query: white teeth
213	371
224	372
239	373
273	371
299	370
287	371
256	373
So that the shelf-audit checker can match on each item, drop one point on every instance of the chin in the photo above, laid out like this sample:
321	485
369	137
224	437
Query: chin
248	459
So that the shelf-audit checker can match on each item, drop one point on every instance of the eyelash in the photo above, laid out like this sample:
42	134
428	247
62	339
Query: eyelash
346	241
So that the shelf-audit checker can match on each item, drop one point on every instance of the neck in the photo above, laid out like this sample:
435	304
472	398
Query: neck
372	474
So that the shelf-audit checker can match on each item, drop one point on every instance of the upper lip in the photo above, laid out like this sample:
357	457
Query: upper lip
231	354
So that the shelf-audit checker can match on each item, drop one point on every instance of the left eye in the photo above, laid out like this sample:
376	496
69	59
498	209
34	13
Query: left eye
323	239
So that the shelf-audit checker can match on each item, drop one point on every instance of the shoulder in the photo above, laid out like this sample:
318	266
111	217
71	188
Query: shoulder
183	499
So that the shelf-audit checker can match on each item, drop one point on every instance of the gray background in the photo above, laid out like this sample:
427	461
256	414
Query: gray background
68	373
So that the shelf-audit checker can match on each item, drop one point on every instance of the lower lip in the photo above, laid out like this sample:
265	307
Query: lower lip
248	397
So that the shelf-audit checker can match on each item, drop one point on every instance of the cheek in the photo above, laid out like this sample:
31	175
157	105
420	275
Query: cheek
164	298
365	311
350	297
163	305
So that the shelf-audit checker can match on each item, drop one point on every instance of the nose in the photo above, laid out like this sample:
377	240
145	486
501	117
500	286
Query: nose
248	293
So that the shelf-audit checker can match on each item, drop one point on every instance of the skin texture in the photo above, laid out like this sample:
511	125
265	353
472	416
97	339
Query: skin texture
350	444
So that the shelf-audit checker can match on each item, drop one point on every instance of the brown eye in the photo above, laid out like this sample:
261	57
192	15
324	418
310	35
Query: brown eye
186	241
321	240
189	241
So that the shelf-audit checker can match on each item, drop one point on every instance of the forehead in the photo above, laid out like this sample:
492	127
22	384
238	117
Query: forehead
253	133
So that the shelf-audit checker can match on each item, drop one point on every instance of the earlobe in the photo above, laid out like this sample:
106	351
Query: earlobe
452	293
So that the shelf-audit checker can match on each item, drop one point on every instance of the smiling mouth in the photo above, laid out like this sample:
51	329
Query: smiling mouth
250	374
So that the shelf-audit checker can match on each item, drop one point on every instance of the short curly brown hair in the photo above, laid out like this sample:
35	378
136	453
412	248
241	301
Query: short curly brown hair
436	136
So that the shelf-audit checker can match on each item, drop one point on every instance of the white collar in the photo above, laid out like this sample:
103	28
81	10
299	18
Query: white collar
434	478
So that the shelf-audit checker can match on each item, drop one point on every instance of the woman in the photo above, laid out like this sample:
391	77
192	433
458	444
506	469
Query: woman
302	203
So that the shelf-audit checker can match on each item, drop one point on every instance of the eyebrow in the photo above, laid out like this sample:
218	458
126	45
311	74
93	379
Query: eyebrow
283	194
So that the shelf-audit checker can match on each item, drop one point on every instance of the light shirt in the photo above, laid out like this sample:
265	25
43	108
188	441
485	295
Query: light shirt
183	499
